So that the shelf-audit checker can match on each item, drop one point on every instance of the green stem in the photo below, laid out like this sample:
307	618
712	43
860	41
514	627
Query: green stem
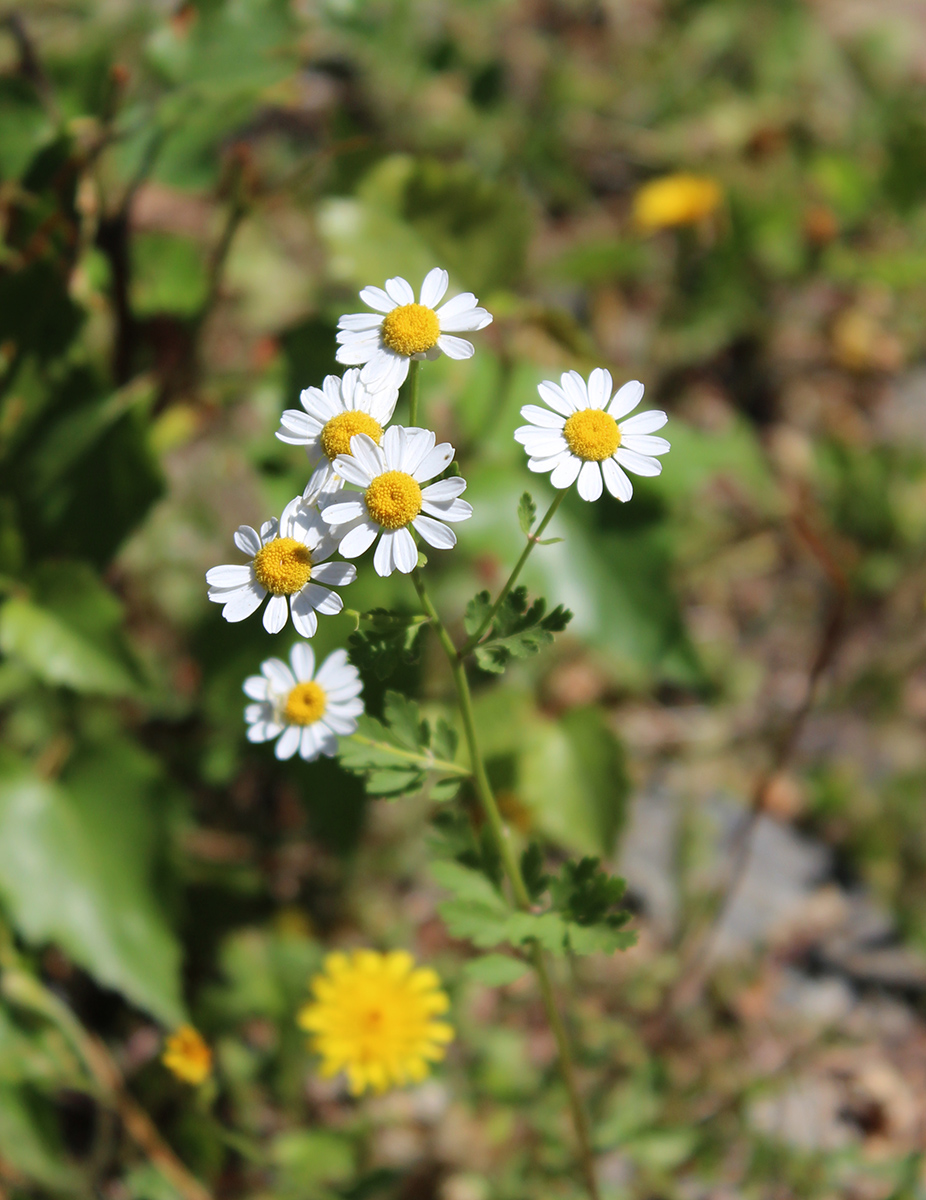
513	871
425	761
412	389
532	540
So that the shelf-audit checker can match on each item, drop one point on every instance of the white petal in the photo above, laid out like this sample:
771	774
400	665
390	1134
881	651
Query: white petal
258	712
376	298
453	510
255	686
465	322
351	469
640	464
400	290
333	668
304	618
241	604
599	388
542	417
247	540
278	673
324	600
297	428
644	443
359	539
288	742
540	443
556	398
231	576
335	574
320	403
644	422
338	723
362	352
439	459
404	551
358	322
589	484
383	559
419	444
626	399
345	511
574	387
269	530
435	533
616	481
538	465
444	489
455	347
384	369
262	731
394	446
434	286
565	473
370	459
309	743
457	305
302	658
380	405
276	614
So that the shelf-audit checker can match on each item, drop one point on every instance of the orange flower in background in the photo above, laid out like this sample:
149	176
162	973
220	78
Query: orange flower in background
680	199
374	1017
187	1056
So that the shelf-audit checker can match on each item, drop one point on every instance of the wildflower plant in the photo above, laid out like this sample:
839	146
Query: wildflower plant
393	490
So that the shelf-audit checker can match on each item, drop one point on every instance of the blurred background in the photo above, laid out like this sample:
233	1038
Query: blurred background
723	198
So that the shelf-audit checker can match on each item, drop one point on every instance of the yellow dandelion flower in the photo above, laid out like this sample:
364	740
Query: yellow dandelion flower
680	199
374	1017
187	1056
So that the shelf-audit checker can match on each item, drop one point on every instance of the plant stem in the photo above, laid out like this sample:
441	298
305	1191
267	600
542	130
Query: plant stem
532	539
513	871
412	388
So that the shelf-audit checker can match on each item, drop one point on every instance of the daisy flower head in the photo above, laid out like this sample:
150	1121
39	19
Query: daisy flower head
304	709
288	563
332	415
581	436
391	476
376	1017
401	329
187	1056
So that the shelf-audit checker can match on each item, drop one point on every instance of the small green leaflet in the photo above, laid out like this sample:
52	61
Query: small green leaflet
527	513
517	630
396	755
384	641
495	970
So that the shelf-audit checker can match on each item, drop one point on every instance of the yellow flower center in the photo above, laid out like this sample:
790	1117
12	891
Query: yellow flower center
592	434
283	566
393	499
305	704
187	1056
340	429
680	199
411	329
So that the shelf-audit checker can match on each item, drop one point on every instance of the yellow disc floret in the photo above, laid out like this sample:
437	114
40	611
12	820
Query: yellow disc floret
393	499
592	434
340	429
187	1056
411	329
283	566
681	199
373	1016
305	704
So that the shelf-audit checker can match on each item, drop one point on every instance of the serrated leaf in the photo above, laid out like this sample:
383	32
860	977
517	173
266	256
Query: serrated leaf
404	721
527	513
495	970
517	630
476	612
385	641
532	872
599	939
396	756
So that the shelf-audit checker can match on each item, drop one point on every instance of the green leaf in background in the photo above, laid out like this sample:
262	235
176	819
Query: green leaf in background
69	633
310	1163
385	641
527	513
168	275
94	835
32	1144
495	970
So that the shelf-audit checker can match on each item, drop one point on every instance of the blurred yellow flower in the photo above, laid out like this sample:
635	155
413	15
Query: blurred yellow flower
680	199
187	1056
373	1017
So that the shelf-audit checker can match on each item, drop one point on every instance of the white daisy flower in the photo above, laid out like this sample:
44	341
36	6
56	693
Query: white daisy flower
583	438
333	414
400	330
305	709
288	561
391	476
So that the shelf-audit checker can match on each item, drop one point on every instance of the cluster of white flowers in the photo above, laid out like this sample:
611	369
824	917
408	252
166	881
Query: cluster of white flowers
342	426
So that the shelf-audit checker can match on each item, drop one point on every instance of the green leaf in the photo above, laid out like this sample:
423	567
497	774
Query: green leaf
517	631
495	970
69	634
536	880
397	755
93	835
306	1160
584	893
385	641
31	1142
527	513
